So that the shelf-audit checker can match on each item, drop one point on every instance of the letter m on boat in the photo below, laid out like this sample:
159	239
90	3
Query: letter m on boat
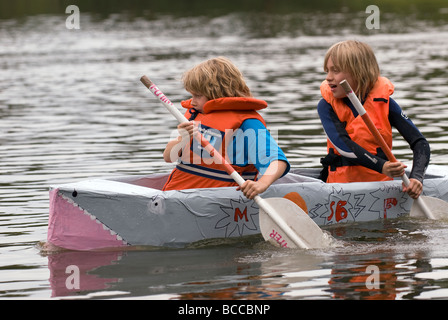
240	215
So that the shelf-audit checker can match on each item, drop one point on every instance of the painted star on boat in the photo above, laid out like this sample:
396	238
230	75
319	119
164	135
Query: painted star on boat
239	216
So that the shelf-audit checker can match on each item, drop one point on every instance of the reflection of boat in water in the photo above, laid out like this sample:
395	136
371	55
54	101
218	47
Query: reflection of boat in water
132	210
214	270
202	271
71	271
210	269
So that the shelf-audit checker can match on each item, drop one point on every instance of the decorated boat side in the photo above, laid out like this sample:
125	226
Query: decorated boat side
133	211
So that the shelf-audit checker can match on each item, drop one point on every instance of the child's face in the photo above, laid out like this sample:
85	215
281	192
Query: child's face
198	101
334	77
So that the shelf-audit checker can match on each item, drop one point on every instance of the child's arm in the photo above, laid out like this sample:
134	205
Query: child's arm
274	171
263	152
417	142
173	149
336	132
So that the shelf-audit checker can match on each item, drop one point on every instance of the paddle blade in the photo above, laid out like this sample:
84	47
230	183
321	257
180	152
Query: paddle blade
438	208
310	234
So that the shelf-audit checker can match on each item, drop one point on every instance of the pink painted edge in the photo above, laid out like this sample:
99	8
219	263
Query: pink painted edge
71	228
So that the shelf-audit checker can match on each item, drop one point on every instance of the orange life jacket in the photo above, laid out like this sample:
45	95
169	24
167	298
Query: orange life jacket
219	120
377	106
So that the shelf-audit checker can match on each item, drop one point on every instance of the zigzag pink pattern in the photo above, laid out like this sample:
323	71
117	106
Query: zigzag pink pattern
70	227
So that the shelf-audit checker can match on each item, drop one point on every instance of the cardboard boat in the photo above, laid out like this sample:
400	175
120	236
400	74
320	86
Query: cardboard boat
133	211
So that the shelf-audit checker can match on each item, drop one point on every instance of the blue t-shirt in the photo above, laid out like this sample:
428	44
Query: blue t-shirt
253	144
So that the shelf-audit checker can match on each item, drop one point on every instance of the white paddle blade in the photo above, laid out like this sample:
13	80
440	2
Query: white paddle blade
438	208
297	220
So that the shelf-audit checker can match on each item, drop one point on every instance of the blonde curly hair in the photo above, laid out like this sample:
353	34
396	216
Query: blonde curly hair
216	78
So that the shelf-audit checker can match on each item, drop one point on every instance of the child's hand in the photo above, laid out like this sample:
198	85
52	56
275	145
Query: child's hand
273	172
186	129
394	169
414	189
252	188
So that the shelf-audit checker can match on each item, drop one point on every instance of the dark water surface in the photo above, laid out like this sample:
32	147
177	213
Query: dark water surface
72	107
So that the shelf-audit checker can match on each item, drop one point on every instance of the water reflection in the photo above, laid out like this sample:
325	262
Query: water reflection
224	276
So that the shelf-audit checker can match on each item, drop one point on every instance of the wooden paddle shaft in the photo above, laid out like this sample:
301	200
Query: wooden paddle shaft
365	117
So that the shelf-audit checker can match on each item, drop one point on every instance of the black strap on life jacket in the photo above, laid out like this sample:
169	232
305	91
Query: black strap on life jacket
333	161
193	114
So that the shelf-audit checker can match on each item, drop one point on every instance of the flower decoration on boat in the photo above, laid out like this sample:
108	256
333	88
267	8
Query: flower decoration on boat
240	215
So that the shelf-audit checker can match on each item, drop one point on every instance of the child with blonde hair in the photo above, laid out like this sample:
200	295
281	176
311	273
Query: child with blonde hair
223	110
353	153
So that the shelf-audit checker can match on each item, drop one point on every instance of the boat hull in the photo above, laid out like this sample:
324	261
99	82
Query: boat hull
133	211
